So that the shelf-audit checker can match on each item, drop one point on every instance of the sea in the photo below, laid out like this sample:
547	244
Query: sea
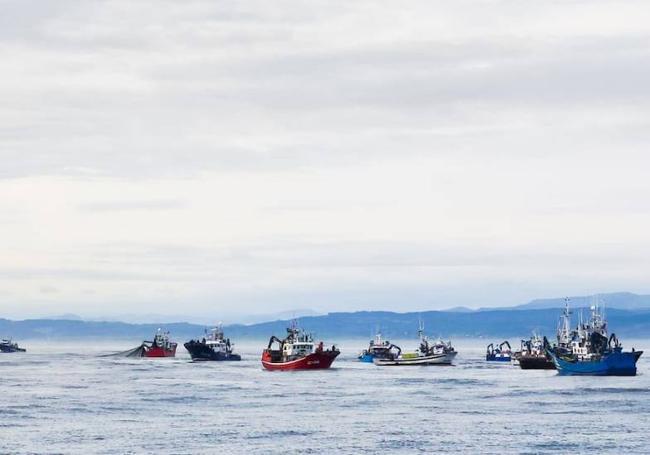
66	398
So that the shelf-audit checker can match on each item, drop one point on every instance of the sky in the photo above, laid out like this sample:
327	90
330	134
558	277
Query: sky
204	159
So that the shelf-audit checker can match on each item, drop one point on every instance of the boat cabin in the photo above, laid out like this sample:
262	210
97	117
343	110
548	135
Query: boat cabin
298	349
161	339
217	342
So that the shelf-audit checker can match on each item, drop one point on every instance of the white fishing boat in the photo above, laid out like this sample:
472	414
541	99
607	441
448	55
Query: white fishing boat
428	353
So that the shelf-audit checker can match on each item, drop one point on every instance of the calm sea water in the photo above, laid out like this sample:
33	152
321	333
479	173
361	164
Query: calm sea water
57	399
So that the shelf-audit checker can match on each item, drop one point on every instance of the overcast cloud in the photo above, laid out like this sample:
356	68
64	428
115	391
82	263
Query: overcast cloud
230	158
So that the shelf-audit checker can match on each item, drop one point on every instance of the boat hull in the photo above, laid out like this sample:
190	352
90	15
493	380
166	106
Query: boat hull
157	351
367	358
370	358
614	364
536	363
201	352
435	359
495	358
10	349
314	361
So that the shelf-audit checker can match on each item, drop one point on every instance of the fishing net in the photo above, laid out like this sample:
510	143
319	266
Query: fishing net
135	352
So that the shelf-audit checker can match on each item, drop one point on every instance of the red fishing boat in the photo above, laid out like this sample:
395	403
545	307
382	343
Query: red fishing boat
297	352
161	346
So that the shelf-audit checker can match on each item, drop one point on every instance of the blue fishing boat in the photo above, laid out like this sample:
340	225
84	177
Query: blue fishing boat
612	363
587	350
379	349
500	353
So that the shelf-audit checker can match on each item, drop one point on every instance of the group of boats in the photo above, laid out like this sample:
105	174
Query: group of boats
298	350
584	350
212	346
531	355
384	353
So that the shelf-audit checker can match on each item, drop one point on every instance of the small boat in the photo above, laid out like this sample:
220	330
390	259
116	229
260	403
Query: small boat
533	356
214	346
161	346
587	350
297	352
428	353
499	354
379	349
7	346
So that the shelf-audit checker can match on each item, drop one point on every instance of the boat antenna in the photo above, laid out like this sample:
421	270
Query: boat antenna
581	322
602	308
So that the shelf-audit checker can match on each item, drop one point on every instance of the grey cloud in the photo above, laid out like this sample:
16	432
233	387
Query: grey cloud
83	274
368	95
221	87
204	262
48	290
551	75
111	206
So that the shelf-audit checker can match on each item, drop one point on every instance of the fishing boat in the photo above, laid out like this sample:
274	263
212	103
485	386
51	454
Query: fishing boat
500	353
533	356
161	346
587	350
428	353
213	346
7	346
379	349
297	352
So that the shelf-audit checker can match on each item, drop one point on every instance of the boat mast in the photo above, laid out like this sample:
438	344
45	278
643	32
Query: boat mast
564	324
598	323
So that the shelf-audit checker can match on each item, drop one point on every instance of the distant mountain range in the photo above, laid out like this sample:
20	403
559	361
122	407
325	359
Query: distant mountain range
618	300
153	318
540	315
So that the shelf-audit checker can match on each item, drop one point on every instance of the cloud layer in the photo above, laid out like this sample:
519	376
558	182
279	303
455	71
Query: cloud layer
242	157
